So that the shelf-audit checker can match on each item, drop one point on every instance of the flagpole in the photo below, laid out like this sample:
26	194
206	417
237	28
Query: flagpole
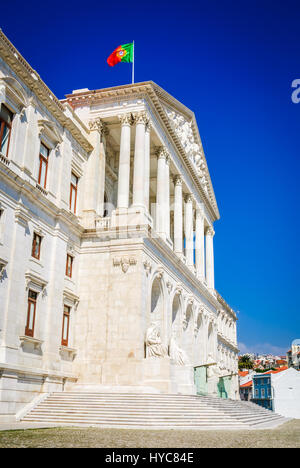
133	63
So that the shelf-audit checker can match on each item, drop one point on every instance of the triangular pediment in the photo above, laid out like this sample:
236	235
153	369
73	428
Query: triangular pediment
183	123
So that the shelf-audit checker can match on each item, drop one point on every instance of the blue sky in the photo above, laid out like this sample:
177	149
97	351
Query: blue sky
232	63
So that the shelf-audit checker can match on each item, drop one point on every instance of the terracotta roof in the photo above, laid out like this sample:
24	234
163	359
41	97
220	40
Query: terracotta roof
243	373
248	384
276	371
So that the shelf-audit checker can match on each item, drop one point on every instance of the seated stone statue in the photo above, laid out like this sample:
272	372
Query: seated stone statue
154	346
178	355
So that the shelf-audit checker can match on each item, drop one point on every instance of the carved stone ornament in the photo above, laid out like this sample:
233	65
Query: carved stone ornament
210	232
184	131
169	286
160	273
178	180
126	119
141	118
124	262
148	267
162	153
97	125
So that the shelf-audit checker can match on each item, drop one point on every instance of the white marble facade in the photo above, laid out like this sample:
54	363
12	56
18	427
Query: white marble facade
116	181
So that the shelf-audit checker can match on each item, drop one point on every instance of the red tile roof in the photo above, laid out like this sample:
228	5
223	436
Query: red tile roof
276	371
243	373
248	384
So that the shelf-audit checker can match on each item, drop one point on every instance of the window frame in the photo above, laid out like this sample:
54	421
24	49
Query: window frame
38	257
69	256
31	301
2	125
75	189
66	313
43	159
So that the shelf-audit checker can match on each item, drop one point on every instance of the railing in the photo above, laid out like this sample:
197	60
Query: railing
103	223
4	159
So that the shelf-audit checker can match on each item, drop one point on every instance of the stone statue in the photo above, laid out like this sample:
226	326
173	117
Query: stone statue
212	370
176	353
154	346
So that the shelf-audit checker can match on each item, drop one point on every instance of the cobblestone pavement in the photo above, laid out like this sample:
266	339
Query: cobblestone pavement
287	435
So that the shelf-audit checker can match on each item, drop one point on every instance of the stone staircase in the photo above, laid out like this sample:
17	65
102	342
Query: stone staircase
150	411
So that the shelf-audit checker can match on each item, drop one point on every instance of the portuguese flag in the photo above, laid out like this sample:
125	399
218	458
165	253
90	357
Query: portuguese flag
123	53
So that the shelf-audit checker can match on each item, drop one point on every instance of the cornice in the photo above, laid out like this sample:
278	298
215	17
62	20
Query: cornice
155	94
226	306
33	81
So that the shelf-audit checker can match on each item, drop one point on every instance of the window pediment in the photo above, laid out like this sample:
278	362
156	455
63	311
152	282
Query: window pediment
70	299
14	94
50	131
35	282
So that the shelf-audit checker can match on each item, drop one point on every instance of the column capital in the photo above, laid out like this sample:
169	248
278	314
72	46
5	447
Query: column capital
189	198
162	153
141	118
177	179
97	125
210	232
125	119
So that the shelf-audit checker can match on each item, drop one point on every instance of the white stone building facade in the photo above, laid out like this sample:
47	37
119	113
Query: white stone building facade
107	215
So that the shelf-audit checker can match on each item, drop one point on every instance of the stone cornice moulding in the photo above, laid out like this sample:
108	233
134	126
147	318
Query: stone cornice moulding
33	81
35	282
154	92
226	306
14	92
51	131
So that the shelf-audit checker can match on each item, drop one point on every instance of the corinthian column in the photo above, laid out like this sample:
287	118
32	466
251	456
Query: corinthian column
161	208
210	276
124	162
199	243
139	160
178	226
188	230
147	166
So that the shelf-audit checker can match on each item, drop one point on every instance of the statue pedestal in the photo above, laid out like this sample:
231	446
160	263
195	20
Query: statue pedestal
183	379
156	373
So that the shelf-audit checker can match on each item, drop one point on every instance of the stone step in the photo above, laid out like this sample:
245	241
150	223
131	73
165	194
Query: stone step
148	410
127	421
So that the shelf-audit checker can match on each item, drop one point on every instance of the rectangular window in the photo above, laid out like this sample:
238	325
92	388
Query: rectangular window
6	118
65	326
263	393
69	266
43	169
36	246
31	309
73	193
256	392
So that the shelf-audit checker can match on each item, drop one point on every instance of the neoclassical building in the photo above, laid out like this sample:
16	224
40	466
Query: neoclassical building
107	215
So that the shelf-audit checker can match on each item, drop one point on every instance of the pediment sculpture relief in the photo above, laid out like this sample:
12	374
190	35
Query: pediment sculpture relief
184	131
